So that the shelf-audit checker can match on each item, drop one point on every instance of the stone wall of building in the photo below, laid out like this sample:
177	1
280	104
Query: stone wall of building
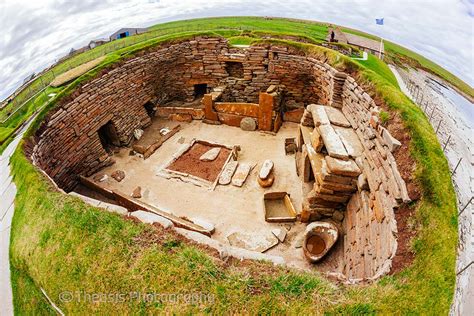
68	142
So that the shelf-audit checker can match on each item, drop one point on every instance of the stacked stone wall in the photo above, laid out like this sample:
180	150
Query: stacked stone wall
68	142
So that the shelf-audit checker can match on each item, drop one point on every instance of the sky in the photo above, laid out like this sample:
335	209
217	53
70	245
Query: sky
35	33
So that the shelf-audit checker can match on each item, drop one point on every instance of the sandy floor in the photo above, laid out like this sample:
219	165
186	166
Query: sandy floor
229	208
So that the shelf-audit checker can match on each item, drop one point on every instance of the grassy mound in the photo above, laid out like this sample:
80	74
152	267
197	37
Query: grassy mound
63	245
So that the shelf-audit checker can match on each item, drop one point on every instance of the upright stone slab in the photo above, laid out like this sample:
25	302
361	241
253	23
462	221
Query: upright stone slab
265	112
333	143
392	143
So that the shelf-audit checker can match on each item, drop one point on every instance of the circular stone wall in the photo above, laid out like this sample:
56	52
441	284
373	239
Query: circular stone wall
68	142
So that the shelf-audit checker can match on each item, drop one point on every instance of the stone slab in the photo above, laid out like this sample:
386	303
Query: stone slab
392	143
342	167
150	218
280	233
241	174
228	172
266	169
333	143
211	154
350	140
336	117
253	242
319	115
316	140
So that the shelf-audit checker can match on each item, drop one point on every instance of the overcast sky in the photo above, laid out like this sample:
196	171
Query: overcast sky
34	33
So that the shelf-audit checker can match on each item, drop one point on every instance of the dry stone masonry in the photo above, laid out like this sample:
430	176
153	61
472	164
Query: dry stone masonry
344	156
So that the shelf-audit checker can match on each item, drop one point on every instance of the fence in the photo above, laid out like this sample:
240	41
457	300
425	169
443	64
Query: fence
43	80
436	119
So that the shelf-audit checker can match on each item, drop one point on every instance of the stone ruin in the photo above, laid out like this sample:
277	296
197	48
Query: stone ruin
343	156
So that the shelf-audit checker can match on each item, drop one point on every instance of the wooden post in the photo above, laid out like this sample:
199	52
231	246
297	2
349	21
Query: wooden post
446	144
439	124
465	206
457	165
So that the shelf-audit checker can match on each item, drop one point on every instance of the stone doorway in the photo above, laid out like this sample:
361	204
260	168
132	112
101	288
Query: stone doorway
200	90
108	136
150	109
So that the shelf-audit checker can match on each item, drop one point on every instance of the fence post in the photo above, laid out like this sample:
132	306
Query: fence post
432	112
457	165
439	124
446	144
465	206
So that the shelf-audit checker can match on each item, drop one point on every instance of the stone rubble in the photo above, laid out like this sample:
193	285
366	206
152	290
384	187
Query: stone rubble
118	175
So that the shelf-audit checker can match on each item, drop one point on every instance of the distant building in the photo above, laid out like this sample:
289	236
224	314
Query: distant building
127	31
29	78
97	42
363	43
73	51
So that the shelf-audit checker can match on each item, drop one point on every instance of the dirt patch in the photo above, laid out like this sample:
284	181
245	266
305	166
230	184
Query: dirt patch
208	170
404	255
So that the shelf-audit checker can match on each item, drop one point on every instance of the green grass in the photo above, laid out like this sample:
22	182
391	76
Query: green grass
240	31
403	56
114	255
61	244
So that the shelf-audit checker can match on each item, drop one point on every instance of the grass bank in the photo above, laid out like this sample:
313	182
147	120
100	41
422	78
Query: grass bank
63	245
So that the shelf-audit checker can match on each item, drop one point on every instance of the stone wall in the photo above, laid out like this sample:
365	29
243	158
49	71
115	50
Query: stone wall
68	142
356	178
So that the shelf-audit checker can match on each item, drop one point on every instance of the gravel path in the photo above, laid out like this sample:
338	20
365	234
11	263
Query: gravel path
453	118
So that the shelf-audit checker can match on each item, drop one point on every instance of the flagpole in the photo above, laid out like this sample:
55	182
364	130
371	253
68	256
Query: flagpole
380	49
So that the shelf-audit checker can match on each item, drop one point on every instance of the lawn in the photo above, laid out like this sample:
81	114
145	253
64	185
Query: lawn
61	244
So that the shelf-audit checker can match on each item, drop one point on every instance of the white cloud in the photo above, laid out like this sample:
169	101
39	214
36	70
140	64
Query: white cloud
35	33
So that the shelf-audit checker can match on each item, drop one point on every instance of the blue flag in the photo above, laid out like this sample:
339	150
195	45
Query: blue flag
379	21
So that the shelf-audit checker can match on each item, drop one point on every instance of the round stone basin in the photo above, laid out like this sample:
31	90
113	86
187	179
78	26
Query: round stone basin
320	237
